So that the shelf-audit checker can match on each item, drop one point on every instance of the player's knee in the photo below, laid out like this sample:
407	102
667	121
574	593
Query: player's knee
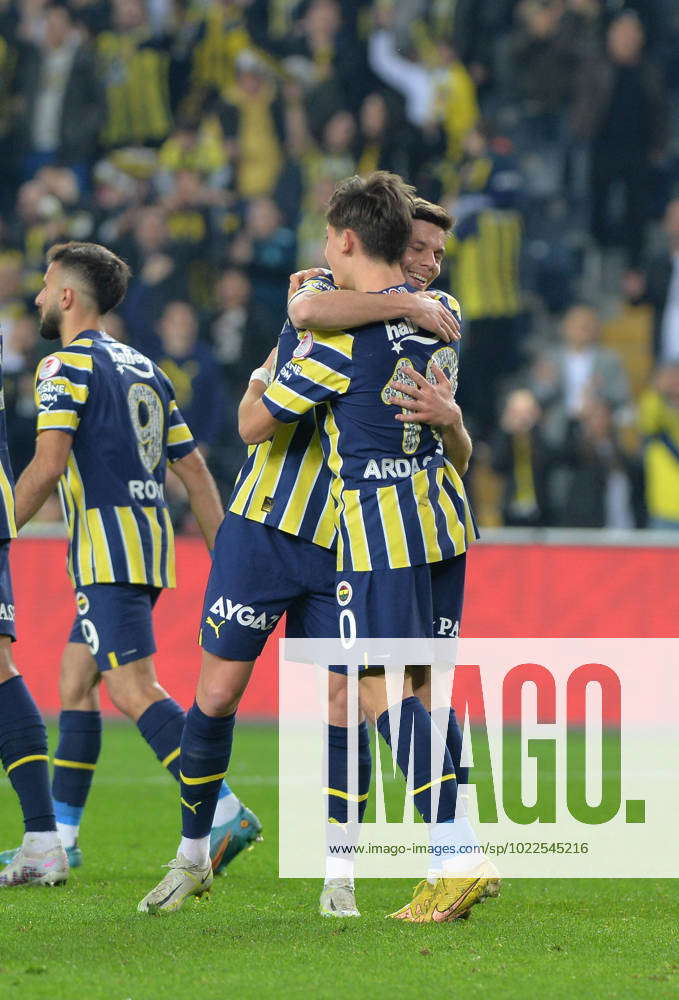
219	696
133	698
7	668
337	700
75	692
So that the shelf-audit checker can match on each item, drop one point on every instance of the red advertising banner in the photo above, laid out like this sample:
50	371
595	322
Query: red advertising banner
512	591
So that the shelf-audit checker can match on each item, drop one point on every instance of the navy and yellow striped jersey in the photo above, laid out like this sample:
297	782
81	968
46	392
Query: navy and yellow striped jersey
7	522
285	483
121	411
399	502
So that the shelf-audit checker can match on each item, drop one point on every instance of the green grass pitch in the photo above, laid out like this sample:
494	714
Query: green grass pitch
257	936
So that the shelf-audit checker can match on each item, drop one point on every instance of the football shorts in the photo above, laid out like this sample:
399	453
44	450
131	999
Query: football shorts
6	595
413	602
258	574
114	620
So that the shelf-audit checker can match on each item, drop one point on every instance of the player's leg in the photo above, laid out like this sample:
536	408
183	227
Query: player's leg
23	752
448	596
204	759
400	603
251	584
316	616
116	622
79	746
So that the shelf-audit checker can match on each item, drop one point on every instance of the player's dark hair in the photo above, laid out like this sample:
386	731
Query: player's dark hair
427	211
379	209
105	275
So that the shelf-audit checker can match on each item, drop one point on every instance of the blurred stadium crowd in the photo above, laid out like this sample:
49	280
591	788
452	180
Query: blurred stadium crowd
201	140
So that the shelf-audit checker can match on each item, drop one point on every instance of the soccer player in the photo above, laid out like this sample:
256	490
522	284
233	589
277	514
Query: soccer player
319	305
107	425
404	523
274	553
208	733
41	859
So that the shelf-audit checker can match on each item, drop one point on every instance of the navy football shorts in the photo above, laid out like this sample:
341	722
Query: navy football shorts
114	619
6	595
413	602
258	574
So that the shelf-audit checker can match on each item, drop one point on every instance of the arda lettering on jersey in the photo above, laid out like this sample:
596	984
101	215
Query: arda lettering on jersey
394	468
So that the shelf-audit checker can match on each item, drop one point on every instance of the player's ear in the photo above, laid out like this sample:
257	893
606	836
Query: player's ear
348	241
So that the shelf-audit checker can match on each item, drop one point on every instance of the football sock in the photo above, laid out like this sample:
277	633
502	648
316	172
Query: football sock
40	842
162	725
416	726
205	752
341	833
75	760
23	751
338	771
228	806
454	744
196	850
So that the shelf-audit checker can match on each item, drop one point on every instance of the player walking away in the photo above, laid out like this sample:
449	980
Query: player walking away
320	305
41	859
208	734
107	425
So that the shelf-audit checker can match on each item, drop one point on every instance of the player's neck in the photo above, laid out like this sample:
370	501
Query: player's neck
72	327
373	276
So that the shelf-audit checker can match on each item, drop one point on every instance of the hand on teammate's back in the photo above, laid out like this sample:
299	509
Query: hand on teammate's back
431	314
427	402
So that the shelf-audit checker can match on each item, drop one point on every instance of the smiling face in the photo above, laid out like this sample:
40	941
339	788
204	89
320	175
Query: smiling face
424	254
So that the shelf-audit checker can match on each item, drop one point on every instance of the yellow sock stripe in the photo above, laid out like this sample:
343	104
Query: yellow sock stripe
78	764
27	760
170	757
201	781
446	777
346	795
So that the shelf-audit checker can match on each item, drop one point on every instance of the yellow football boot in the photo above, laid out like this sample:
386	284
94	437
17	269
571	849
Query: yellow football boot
449	898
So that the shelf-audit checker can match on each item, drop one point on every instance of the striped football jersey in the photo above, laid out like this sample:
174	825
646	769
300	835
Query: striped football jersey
121	411
284	482
7	522
398	500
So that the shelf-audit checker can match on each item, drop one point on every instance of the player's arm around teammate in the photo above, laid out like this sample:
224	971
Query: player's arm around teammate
345	309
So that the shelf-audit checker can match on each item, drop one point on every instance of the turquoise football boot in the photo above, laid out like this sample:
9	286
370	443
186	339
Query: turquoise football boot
228	840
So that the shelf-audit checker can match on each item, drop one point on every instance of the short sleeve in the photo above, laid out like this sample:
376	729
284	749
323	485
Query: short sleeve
319	370
451	303
180	440
62	388
321	283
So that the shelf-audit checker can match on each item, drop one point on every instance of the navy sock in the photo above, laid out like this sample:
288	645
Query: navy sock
162	725
204	759
23	751
75	761
416	727
454	744
338	772
365	767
